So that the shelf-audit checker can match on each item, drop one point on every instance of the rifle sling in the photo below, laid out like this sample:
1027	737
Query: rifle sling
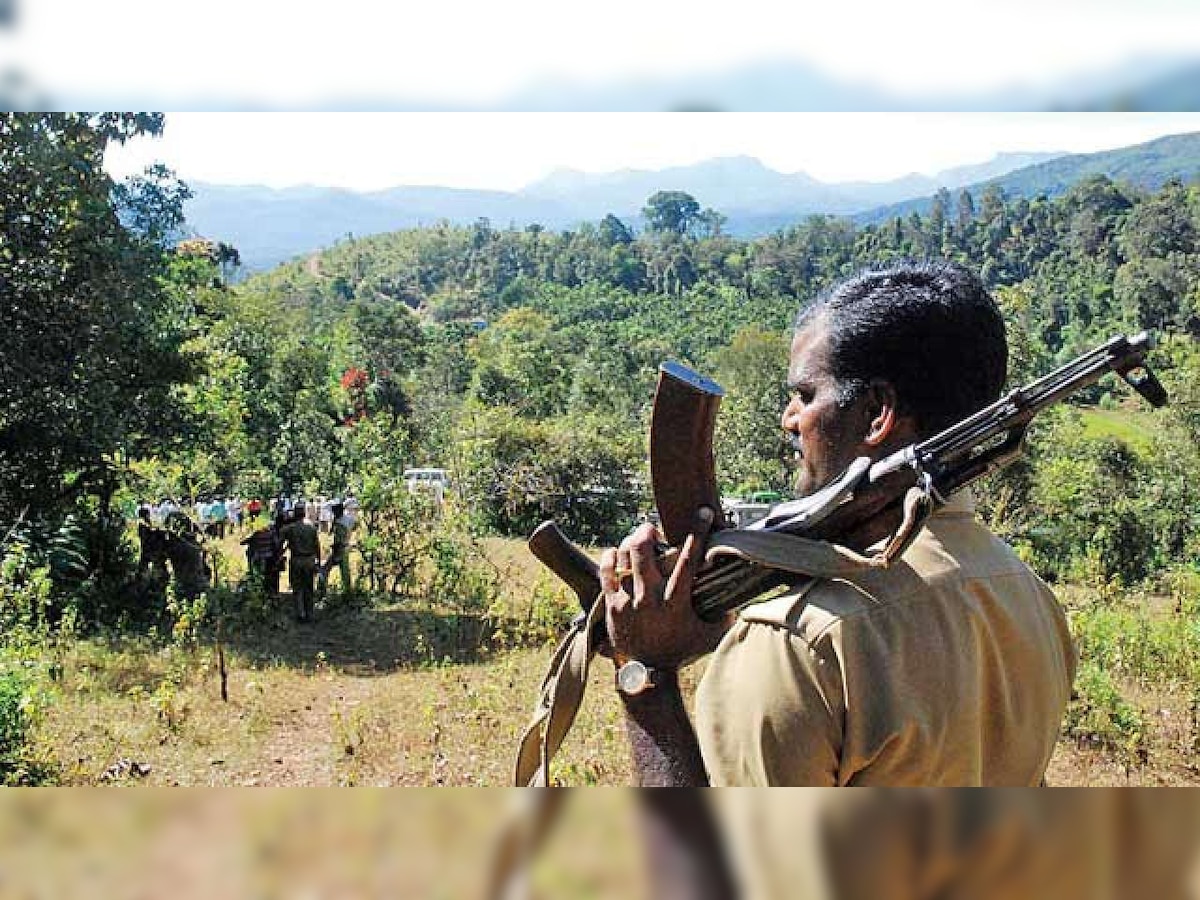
820	559
558	700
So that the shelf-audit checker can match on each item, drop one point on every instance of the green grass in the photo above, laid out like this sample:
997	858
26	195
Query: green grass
1122	425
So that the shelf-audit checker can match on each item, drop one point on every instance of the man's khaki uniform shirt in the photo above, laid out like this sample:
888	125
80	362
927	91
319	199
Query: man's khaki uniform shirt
302	539
953	666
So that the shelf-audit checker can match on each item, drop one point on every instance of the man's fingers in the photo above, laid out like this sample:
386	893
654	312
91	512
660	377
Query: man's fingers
609	582
688	561
683	567
644	562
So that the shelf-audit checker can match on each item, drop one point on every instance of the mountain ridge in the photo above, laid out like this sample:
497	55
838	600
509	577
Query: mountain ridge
270	225
1147	165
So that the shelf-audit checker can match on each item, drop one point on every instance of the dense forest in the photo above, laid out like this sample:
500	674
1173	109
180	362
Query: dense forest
525	359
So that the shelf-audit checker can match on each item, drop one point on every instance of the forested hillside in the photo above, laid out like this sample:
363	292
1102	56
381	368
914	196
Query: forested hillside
1146	166
270	226
547	337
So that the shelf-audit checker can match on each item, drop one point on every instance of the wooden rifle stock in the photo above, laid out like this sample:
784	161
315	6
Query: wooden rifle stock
556	552
682	475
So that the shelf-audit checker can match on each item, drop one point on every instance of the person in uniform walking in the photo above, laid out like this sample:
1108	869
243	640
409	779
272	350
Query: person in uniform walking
304	546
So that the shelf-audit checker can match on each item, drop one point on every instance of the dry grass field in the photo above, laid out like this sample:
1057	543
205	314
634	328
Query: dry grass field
406	695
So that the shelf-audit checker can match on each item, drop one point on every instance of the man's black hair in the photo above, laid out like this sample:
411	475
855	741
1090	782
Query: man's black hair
931	329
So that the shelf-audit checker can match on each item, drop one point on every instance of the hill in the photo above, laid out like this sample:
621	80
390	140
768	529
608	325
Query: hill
1147	166
270	225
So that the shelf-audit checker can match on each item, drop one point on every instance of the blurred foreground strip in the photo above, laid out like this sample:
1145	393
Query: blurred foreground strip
428	843
878	844
1090	844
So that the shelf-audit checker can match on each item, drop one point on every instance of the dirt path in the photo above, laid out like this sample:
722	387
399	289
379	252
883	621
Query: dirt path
302	750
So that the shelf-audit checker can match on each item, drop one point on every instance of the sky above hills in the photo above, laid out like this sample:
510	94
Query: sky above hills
508	151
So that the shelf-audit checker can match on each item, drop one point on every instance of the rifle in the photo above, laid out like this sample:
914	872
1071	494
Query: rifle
682	472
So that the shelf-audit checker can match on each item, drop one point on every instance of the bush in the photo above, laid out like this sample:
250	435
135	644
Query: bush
18	712
14	718
1098	715
459	577
25	587
576	471
1129	641
545	620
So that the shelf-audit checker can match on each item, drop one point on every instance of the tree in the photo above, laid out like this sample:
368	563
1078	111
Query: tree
671	212
389	336
749	442
1096	206
937	216
1160	226
521	365
709	223
90	350
613	231
964	213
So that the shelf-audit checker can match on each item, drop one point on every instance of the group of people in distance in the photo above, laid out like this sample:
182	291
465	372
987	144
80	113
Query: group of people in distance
283	530
294	532
215	516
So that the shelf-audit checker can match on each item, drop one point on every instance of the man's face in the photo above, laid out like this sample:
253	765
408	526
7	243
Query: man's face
823	434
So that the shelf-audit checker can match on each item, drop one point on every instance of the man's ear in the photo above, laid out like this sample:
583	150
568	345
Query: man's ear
881	406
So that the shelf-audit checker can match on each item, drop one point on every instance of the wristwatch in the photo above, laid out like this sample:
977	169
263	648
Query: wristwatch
635	677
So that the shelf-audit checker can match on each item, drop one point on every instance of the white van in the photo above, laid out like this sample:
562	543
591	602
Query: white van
433	481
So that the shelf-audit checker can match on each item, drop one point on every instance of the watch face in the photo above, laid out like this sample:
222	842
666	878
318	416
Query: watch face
633	677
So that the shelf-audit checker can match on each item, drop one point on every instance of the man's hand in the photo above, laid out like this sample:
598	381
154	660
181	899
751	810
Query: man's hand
648	603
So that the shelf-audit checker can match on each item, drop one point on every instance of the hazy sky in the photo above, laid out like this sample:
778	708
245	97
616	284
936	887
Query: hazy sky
365	151
313	54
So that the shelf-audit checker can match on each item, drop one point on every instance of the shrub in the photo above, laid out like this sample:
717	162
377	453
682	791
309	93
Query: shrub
19	707
25	587
1100	716
14	717
1130	641
576	471
545	620
459	577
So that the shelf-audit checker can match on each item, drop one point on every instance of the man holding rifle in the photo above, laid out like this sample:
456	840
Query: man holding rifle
952	666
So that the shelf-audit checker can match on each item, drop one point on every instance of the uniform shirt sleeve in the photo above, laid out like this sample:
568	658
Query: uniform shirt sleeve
769	709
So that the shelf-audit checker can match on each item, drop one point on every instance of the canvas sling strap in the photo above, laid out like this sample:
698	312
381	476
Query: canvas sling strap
562	688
